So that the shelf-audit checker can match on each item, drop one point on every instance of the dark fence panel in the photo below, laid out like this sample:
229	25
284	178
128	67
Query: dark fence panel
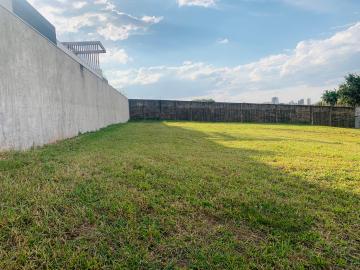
241	112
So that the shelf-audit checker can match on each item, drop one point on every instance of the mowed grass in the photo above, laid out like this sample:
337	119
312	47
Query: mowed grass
180	195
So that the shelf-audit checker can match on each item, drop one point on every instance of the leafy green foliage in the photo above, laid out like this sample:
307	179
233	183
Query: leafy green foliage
331	97
350	90
347	94
180	195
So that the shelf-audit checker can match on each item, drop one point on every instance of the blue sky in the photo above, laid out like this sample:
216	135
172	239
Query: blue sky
229	50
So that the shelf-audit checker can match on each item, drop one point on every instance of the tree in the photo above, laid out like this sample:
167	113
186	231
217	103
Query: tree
349	91
320	103
330	97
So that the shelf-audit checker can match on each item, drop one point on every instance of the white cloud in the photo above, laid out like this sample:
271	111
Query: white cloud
199	3
142	76
79	4
75	23
314	65
113	32
101	16
223	41
152	19
115	56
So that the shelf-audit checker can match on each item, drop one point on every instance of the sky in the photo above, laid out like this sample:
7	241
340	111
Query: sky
227	50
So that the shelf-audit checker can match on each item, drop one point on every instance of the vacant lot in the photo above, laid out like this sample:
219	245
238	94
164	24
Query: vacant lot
153	195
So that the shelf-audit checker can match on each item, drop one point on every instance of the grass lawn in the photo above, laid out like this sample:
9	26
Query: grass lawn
179	195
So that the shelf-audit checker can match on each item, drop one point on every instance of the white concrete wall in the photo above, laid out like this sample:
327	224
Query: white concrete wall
45	95
7	4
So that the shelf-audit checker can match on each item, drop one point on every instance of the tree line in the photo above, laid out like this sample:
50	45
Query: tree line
348	93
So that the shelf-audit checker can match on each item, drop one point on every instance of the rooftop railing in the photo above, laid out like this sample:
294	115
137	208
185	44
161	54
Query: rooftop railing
95	70
88	51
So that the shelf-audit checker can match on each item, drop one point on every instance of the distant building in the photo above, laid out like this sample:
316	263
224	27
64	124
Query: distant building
308	101
292	103
275	100
301	102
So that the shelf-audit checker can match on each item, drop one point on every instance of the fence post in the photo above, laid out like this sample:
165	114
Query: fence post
143	109
357	117
241	113
176	111
160	110
191	112
330	116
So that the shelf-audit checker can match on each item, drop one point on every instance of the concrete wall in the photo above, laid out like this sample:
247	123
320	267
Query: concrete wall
7	4
357	117
45	95
31	16
241	112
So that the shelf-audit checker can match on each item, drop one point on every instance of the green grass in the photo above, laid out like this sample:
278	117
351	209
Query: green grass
179	195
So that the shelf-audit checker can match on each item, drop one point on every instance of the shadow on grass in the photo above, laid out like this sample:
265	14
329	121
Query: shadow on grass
153	195
228	137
